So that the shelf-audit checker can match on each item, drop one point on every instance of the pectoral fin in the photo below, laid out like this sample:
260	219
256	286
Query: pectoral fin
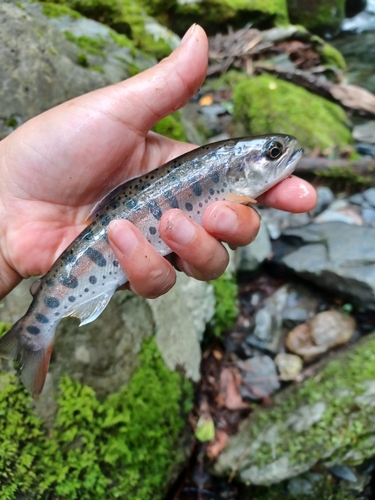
237	198
90	310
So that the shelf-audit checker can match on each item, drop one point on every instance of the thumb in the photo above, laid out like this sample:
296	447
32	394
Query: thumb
164	88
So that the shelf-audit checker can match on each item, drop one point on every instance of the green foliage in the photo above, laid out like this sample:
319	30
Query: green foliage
348	175
91	45
171	127
123	447
265	105
226	308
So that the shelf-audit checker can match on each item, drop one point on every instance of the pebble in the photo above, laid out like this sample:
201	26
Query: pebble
325	197
368	215
346	215
289	365
369	195
328	329
259	377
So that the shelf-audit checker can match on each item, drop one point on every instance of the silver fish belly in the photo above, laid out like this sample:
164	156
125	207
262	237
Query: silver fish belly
86	275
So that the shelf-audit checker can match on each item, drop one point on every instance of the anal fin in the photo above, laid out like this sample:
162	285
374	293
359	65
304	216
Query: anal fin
88	311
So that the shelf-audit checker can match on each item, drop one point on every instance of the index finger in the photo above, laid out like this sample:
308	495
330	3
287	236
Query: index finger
292	195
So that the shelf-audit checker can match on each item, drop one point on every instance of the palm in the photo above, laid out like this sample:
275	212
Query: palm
46	198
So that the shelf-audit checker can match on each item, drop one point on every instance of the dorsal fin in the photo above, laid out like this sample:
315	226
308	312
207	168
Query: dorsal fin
35	286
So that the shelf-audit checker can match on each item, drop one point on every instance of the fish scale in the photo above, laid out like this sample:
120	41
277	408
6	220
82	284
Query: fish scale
83	279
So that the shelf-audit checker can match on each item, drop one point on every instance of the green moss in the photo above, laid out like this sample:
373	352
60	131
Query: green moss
226	307
346	425
123	447
331	56
215	15
265	104
12	123
56	10
126	18
171	127
321	16
91	45
347	175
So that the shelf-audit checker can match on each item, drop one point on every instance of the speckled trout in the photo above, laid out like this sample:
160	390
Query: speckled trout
83	279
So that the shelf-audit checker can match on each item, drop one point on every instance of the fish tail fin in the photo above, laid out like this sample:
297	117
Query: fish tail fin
34	357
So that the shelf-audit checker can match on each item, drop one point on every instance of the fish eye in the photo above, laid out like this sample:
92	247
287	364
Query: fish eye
274	150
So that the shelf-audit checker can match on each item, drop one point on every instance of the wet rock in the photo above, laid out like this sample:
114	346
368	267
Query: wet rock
301	306
41	68
259	377
365	132
369	195
252	256
268	322
356	199
327	423
328	329
345	214
289	365
325	198
368	215
334	255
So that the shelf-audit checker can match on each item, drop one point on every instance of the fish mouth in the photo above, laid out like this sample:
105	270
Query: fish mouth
293	161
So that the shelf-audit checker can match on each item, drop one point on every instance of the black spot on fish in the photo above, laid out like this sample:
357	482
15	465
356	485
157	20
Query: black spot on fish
152	230
51	302
50	282
87	236
41	318
68	281
196	188
105	220
200	205
96	257
130	203
239	167
189	207
92	280
212	191
86	290
57	314
71	298
215	177
115	263
115	204
34	330
68	258
104	277
154	209
225	184
171	199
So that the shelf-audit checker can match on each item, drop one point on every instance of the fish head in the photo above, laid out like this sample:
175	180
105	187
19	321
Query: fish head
262	162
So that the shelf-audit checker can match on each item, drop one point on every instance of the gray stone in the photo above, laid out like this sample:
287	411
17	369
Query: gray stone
334	255
301	306
259	377
365	132
368	215
356	199
104	354
369	195
325	198
252	256
40	67
268	322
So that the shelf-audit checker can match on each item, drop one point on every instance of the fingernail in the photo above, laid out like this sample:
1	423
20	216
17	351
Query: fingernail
124	237
180	229
224	220
188	34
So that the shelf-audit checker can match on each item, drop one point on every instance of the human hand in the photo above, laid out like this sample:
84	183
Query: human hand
56	166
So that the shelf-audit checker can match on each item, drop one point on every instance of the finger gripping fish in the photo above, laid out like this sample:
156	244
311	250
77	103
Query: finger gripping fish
83	279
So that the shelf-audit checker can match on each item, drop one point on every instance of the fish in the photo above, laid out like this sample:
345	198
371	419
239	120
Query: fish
83	279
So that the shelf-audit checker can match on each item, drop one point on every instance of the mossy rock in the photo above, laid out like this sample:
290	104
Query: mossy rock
266	105
217	15
320	16
326	420
126	446
126	18
171	127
